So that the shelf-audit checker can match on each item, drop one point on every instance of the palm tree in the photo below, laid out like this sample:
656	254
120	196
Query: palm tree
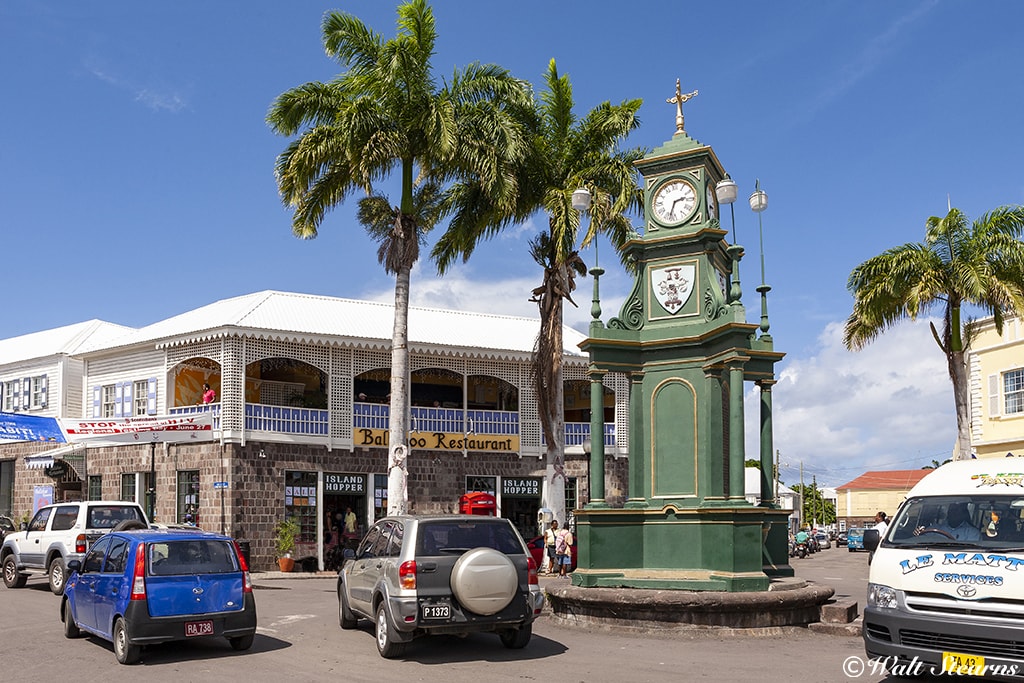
959	263
386	114
564	153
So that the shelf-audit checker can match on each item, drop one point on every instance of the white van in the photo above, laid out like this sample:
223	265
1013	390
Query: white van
946	586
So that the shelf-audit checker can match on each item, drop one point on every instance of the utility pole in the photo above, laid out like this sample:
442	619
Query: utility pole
803	494
814	503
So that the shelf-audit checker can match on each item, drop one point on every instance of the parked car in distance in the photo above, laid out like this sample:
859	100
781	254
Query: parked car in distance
59	533
855	540
433	574
141	587
823	542
538	552
841	538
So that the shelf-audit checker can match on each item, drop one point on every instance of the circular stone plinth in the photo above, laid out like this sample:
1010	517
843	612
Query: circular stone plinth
789	602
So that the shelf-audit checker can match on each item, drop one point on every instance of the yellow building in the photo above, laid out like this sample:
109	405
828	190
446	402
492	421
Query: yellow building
858	501
995	364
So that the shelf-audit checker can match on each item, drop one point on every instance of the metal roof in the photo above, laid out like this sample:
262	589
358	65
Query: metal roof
308	318
67	340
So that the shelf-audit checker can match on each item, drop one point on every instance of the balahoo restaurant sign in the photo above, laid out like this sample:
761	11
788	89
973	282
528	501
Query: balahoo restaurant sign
441	441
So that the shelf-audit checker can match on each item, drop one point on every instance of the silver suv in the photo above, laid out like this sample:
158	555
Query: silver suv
59	533
453	574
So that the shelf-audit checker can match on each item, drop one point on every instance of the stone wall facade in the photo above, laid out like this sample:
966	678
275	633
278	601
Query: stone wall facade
254	500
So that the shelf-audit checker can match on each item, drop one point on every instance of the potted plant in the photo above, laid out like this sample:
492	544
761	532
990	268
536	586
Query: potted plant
286	531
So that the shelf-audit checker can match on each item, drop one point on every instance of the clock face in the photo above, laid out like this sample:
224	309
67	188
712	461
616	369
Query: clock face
674	201
712	207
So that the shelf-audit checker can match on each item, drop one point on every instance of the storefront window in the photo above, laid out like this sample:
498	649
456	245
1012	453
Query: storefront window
128	486
476	483
95	487
300	502
380	496
188	497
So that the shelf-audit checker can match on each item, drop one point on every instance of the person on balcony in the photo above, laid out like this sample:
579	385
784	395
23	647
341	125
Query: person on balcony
209	395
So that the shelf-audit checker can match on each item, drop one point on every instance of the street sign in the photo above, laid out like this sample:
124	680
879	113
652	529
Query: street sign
220	484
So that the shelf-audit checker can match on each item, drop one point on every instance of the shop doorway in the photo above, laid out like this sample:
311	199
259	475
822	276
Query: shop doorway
336	540
335	507
522	512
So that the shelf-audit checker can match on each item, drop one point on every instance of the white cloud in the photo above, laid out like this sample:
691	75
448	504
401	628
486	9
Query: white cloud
840	413
157	98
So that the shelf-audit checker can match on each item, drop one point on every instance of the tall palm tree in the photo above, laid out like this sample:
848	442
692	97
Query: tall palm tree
386	114
564	153
959	263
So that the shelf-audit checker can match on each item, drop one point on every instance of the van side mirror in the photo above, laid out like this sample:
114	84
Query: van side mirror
871	539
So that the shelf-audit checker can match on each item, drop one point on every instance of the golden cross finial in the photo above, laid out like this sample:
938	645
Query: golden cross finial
678	101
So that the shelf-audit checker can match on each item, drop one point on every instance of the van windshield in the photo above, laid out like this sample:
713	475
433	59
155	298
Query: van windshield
990	522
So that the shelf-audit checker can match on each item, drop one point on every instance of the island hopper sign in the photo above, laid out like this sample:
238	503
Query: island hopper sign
442	441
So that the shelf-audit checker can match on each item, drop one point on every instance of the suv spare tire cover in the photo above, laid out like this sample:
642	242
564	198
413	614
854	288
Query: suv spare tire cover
484	581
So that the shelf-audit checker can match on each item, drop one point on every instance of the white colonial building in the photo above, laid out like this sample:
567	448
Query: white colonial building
301	415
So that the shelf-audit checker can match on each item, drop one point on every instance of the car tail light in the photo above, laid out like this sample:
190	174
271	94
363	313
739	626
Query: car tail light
246	578
139	575
80	544
407	575
531	572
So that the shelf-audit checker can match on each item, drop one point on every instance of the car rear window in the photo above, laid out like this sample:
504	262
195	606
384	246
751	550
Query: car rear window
444	537
191	556
109	516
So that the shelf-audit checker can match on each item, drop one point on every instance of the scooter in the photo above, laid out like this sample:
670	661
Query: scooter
801	549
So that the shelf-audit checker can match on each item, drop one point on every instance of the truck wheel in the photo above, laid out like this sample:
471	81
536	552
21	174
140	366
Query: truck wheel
12	579
484	581
516	638
129	525
58	576
346	618
387	645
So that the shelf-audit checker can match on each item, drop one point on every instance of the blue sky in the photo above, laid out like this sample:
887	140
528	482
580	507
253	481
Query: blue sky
136	168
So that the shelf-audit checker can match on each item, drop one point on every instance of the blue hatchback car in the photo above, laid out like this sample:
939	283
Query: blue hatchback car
140	587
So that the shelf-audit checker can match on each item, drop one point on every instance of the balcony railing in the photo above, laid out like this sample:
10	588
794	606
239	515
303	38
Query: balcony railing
578	432
316	422
200	410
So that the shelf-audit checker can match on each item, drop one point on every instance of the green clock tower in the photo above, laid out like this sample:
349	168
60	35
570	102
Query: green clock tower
683	340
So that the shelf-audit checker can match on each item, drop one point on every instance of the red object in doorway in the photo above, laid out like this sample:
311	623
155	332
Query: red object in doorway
478	503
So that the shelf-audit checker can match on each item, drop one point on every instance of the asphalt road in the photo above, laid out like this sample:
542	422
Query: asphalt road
299	640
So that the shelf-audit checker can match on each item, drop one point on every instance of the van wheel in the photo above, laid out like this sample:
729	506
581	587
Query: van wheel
387	646
125	652
58	576
12	579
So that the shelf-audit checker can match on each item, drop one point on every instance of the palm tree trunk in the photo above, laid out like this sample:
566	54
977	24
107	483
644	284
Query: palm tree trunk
552	403
398	450
958	373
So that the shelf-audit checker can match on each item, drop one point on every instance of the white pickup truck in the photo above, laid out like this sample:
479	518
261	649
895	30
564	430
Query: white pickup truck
59	533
